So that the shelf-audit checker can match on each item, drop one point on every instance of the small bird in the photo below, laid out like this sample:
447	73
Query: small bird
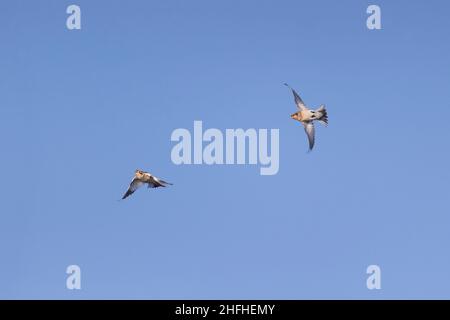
307	117
141	178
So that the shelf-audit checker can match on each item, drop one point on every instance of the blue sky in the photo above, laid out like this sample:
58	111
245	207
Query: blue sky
81	110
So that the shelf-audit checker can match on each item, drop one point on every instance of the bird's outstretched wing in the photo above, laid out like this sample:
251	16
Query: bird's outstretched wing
298	101
154	182
134	185
310	132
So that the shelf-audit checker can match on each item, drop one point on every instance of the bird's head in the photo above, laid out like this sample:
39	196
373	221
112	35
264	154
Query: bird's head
295	116
138	171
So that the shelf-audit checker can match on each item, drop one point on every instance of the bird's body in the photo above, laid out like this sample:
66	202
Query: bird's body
140	178
303	115
307	117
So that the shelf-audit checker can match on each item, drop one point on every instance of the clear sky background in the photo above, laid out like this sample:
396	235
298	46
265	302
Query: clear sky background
81	110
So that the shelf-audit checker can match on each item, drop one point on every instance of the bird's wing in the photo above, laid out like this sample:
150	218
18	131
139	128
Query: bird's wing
154	182
298	101
310	132
134	185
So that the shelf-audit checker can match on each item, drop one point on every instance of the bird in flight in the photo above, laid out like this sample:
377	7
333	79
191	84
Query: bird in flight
140	178
307	117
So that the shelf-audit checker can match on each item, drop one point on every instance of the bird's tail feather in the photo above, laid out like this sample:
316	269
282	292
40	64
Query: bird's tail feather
324	115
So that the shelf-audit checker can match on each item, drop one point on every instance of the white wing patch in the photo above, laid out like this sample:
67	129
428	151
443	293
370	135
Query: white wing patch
310	132
298	101
135	184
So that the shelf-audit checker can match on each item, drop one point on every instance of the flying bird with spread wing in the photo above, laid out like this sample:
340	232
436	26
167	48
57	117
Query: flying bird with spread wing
141	178
307	117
